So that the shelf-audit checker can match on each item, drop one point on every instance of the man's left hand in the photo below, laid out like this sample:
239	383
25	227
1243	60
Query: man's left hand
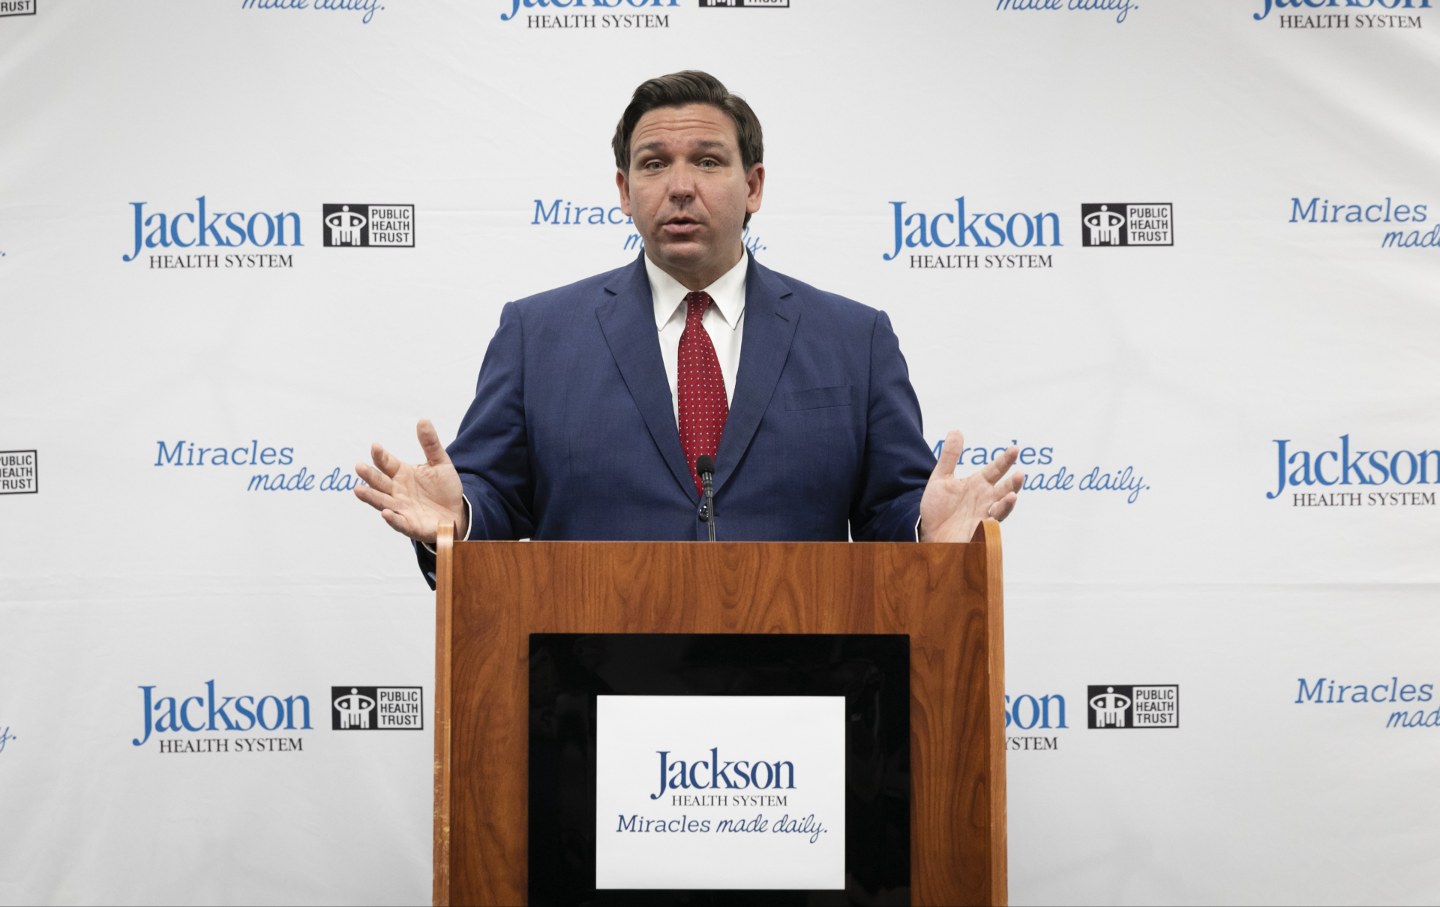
953	506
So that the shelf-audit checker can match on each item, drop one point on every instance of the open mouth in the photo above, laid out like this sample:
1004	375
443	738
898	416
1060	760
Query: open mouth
681	225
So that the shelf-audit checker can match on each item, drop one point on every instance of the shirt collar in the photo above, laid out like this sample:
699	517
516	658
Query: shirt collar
728	292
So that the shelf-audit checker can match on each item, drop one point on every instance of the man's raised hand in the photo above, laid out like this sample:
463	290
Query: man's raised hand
414	500
953	506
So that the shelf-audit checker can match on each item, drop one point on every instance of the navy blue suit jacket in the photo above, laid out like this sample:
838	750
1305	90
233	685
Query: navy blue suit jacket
572	431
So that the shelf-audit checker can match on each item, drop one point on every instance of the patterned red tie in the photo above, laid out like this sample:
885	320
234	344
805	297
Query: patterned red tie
703	407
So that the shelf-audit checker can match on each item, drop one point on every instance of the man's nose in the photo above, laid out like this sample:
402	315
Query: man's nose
682	183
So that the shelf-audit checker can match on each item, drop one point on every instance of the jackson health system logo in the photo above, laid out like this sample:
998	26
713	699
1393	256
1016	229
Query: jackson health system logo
1365	15
205	236
589	14
214	719
228	721
706	779
987	238
1348	473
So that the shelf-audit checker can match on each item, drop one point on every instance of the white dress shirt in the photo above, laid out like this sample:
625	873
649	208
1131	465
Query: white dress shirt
723	322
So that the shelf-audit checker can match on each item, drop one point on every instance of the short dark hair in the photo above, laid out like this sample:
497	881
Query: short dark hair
689	87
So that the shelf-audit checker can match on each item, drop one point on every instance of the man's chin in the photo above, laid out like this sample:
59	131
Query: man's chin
670	253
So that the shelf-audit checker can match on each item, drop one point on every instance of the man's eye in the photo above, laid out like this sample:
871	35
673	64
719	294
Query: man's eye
709	164
651	165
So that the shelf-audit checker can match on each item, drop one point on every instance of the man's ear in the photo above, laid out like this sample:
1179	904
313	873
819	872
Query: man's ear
755	181
622	182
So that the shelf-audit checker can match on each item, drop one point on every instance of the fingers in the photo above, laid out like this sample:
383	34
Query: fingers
387	462
393	518
397	522
995	470
1008	492
375	478
1017	482
408	528
1001	508
377	499
949	455
430	443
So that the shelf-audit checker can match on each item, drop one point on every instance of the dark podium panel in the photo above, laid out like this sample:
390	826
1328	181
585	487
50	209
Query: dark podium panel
492	596
568	671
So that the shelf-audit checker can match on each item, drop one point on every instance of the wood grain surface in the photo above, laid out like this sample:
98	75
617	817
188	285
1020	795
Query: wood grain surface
490	596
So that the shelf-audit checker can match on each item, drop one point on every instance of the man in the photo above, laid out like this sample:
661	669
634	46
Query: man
596	400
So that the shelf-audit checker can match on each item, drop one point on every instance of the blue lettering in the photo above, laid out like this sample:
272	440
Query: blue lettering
935	229
217	715
213	713
278	710
185	714
1352	464
517	5
165	456
139	231
243	709
175	230
969	232
1308	694
979	229
1027	712
148	706
723	774
1322	4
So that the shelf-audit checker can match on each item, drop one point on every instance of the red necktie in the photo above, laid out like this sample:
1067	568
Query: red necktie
701	386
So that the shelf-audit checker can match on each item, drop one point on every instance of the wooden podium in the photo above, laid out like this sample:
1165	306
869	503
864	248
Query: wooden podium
490	596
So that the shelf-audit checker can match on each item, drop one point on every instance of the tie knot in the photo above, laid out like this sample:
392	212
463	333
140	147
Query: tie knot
695	306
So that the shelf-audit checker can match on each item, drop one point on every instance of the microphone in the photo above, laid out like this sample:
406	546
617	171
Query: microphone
705	468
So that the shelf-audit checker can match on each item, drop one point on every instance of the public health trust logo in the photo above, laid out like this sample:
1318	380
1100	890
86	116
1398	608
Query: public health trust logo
369	225
19	472
360	708
1127	224
1117	706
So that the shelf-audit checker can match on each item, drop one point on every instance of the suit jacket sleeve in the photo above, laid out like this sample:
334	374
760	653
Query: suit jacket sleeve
897	460
491	451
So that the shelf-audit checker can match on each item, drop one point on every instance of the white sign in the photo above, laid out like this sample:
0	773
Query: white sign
720	792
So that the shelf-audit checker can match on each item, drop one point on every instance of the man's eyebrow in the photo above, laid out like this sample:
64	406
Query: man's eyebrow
702	145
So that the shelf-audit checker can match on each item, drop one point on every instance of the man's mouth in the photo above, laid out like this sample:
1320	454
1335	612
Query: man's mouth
681	225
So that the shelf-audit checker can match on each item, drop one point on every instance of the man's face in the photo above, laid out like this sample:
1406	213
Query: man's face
688	191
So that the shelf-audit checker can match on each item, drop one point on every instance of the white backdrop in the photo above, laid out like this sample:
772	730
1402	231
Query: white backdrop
1285	144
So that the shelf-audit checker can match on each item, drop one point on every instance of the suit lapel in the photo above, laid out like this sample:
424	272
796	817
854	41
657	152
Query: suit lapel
770	321
627	319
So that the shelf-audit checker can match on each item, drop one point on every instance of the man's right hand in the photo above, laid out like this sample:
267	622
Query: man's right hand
415	500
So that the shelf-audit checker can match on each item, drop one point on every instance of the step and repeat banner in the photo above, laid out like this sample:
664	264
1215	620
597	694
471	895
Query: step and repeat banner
1184	254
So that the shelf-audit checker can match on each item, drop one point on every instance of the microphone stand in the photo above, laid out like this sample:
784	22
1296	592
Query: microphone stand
705	468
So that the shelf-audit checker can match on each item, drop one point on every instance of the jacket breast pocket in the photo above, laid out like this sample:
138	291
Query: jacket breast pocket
820	397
